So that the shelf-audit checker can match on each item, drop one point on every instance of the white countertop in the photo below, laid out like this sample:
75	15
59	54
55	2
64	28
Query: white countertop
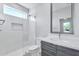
74	44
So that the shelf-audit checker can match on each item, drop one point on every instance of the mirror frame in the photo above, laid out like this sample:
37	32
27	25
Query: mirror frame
51	20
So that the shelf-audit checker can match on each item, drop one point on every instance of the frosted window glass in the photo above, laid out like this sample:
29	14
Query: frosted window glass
14	12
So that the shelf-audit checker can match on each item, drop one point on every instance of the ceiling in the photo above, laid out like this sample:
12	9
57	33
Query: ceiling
57	6
30	5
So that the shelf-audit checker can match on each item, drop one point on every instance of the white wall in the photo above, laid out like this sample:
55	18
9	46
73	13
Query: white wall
76	19
11	40
1	8
43	20
32	24
74	36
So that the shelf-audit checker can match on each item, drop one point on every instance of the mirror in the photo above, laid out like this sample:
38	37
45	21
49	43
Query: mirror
61	18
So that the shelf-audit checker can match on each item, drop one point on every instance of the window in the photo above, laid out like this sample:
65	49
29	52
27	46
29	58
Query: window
14	12
66	25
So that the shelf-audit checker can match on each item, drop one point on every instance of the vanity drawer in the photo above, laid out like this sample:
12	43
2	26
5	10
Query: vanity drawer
47	53
60	53
48	49
48	44
64	51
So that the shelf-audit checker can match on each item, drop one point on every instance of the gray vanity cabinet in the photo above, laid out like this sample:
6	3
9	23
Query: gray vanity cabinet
49	49
64	51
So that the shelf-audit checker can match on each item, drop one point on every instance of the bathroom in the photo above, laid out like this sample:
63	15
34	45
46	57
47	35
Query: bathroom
39	29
